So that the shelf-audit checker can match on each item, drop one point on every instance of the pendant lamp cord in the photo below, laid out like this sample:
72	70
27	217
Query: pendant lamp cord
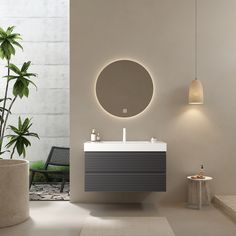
196	39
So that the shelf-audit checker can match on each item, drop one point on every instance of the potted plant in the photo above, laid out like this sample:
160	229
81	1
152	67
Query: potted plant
14	173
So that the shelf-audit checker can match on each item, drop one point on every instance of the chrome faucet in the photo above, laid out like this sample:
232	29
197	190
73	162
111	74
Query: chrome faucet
124	135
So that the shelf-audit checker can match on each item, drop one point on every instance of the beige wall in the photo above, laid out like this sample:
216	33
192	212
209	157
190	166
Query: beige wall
160	35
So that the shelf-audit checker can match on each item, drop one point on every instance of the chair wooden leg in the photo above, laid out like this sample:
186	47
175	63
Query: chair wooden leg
62	184
31	178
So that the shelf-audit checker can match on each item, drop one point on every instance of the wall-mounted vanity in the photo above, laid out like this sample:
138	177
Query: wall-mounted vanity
132	166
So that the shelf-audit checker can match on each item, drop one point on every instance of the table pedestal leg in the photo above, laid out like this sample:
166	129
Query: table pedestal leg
208	194
200	195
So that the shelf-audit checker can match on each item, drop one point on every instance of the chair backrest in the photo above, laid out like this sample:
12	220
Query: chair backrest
58	156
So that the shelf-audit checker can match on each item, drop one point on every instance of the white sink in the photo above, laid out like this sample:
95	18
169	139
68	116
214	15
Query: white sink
128	146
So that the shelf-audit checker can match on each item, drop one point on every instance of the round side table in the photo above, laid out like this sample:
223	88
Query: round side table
199	192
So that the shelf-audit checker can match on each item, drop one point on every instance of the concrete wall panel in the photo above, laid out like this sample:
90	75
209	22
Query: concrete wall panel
44	26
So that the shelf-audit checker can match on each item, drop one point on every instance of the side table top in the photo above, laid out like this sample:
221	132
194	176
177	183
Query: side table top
205	179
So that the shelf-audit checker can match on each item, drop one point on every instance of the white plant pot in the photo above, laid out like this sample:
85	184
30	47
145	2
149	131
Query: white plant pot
14	192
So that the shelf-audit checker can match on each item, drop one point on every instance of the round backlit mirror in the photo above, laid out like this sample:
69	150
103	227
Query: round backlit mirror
124	88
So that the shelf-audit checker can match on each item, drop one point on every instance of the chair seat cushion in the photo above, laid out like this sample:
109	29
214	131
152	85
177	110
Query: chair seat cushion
50	171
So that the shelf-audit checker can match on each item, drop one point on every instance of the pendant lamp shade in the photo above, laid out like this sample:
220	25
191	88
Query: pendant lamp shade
195	92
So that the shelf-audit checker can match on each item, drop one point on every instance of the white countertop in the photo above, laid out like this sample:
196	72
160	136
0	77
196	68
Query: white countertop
128	146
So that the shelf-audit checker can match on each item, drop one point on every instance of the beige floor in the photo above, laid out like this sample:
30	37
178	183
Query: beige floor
66	219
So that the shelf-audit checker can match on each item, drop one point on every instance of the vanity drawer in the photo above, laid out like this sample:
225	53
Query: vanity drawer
125	162
125	182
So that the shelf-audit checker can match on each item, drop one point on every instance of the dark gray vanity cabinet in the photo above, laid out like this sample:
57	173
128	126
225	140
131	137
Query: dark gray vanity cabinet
125	171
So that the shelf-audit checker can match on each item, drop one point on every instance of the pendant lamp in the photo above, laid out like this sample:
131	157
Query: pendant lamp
195	88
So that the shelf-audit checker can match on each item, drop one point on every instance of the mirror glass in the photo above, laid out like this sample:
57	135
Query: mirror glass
124	88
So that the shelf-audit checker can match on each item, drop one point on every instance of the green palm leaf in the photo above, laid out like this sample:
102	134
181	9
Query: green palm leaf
8	41
19	138
22	77
14	68
25	66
